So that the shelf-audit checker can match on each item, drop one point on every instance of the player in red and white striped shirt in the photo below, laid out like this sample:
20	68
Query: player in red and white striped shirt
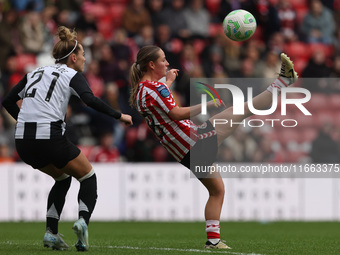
189	144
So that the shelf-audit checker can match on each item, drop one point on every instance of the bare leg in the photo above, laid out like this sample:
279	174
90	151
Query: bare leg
215	187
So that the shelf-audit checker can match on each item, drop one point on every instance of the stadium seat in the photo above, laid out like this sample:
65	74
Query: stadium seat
295	156
334	102
199	45
215	29
301	14
298	3
116	12
25	61
317	102
336	120
97	9
213	6
322	117
328	50
176	45
85	149
308	134
297	50
105	27
299	65
304	120
289	134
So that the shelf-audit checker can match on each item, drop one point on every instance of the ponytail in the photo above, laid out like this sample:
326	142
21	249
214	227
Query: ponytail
144	56
135	76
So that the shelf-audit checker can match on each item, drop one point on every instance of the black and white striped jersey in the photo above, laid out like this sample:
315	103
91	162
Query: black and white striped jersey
46	92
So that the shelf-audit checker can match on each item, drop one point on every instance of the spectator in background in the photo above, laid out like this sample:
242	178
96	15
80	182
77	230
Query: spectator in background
318	26
145	37
188	59
22	5
316	66
276	43
9	37
241	145
32	32
86	22
135	17
267	18
288	21
174	17
105	151
94	79
324	147
197	19
271	66
215	62
163	40
155	8
107	65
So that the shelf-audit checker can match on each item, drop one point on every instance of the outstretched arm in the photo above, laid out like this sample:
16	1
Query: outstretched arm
10	101
82	89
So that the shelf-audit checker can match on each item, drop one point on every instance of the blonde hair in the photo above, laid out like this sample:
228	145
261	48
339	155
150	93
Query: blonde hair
66	45
140	67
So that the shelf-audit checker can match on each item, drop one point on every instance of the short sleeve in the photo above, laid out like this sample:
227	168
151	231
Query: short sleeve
165	98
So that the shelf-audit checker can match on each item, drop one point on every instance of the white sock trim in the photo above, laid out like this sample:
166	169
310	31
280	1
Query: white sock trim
212	222
62	177
278	84
86	176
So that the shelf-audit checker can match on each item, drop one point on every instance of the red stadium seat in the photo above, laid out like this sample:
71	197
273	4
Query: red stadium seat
322	117
215	29
328	50
317	102
295	156
297	50
213	6
308	134
199	45
289	134
299	65
105	26
301	13
334	102
299	3
25	60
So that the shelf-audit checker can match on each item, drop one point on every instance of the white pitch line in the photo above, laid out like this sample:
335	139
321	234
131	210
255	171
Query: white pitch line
175	249
153	248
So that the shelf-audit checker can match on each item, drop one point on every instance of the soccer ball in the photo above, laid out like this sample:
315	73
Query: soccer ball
239	25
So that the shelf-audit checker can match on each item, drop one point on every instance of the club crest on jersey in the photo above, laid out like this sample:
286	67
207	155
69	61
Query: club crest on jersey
163	91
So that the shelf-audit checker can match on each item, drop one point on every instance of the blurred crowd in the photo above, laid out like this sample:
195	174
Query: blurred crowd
190	33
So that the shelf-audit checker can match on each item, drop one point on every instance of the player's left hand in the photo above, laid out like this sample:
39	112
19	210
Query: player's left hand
171	75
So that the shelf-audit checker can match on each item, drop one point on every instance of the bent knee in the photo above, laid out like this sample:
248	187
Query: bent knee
217	191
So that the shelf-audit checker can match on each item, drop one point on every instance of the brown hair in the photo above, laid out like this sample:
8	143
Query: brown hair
65	45
139	68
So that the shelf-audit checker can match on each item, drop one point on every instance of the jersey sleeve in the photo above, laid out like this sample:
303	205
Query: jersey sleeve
82	89
165	98
17	93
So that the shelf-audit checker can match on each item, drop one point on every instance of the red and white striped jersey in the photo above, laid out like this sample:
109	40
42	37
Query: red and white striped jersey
154	102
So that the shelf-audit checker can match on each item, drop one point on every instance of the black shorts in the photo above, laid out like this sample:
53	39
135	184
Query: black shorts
41	152
204	152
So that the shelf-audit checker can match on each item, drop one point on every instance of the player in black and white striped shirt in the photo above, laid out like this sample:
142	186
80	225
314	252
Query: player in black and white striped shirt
40	129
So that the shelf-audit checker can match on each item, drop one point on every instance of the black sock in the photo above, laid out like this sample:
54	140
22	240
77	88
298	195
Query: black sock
87	197
55	203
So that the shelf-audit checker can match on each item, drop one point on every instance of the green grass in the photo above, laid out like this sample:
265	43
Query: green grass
302	238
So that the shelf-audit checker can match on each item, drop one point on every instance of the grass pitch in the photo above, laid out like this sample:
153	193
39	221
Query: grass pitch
159	238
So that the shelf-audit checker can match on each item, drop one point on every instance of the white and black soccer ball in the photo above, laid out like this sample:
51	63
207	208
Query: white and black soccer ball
239	25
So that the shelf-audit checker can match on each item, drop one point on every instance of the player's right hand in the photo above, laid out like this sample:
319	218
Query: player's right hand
127	119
